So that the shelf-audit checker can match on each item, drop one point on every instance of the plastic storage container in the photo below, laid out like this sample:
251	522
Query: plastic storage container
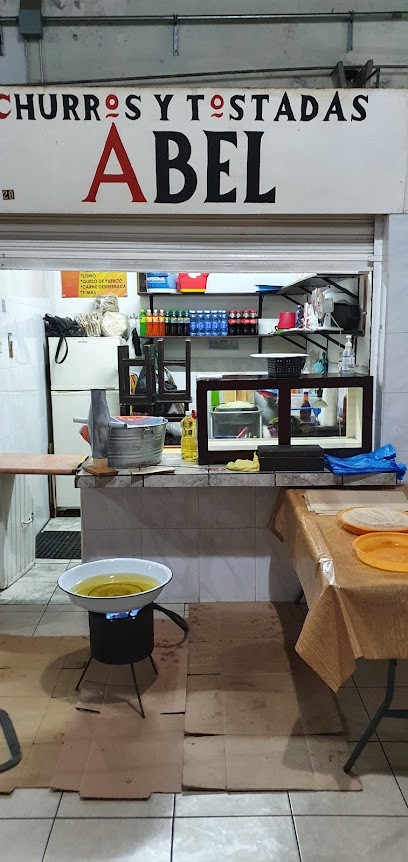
158	281
192	282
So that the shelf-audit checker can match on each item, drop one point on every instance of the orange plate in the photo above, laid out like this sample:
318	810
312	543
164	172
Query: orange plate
362	531
387	551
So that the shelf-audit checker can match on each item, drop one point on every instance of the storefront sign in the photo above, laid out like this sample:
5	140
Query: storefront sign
88	284
237	151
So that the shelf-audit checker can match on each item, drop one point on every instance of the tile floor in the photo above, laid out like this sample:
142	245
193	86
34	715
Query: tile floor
42	826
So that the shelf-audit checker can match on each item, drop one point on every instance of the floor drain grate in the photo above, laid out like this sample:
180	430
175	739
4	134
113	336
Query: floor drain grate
58	545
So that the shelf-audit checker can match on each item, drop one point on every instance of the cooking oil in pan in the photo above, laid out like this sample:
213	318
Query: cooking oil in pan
111	586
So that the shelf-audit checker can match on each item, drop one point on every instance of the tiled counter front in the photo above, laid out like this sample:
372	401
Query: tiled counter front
215	539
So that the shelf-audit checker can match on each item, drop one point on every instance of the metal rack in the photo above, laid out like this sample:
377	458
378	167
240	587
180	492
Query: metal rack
289	293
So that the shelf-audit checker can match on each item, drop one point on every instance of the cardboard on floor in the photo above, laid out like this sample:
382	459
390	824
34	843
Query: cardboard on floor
246	715
95	742
257	717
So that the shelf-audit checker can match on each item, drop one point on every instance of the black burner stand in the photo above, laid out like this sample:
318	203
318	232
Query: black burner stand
127	639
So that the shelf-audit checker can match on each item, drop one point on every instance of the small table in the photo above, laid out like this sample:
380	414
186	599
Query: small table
40	465
354	610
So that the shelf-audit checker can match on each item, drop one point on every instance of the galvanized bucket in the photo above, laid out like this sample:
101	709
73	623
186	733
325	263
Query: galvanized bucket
138	445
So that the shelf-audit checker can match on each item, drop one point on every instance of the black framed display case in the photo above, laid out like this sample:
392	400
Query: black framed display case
238	414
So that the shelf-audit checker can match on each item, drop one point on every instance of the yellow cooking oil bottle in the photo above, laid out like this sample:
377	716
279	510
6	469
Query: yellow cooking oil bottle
189	437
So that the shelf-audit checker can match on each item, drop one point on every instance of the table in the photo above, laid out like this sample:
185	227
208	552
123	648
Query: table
354	610
48	465
40	465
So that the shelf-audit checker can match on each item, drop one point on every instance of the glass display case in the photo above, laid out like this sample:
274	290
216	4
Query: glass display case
238	414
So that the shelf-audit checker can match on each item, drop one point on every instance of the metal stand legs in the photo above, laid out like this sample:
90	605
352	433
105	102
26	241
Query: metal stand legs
382	712
142	713
10	735
176	618
78	686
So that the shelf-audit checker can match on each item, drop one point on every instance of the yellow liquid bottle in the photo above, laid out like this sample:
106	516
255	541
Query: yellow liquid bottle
189	449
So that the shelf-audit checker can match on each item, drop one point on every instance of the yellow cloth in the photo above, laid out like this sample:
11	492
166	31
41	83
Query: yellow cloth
244	466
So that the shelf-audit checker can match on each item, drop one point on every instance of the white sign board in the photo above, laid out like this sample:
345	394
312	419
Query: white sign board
122	151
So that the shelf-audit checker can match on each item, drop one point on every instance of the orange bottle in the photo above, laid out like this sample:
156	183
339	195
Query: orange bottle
156	322
149	323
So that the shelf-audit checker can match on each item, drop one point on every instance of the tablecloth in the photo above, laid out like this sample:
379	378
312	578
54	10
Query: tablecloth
354	610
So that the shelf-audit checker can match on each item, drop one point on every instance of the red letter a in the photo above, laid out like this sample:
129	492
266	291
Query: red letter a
113	144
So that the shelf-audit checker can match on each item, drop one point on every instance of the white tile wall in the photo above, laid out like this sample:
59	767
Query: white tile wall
104	543
395	361
395	419
216	542
165	508
227	565
275	580
226	507
177	549
397	274
394	413
23	414
108	508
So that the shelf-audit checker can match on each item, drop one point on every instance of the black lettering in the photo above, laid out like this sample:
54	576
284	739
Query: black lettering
253	194
52	111
91	105
259	99
194	105
335	109
215	167
70	104
285	110
134	109
29	107
305	102
361	111
235	107
164	102
164	164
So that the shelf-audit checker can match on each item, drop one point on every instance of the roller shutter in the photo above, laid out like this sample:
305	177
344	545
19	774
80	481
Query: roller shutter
253	244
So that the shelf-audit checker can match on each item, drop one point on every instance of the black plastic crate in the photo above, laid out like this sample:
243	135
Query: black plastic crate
286	366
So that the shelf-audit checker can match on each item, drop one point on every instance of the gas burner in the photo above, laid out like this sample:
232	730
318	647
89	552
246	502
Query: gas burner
126	637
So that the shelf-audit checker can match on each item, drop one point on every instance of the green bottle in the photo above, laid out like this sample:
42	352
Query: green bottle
142	322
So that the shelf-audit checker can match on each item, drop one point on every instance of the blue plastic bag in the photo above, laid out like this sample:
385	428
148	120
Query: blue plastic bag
380	461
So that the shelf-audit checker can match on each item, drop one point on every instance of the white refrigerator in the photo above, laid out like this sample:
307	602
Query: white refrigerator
91	363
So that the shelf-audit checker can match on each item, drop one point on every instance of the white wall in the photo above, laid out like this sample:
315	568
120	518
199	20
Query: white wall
72	53
26	297
12	58
395	372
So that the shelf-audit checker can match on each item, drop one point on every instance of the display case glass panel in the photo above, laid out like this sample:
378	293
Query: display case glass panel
328	417
235	416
